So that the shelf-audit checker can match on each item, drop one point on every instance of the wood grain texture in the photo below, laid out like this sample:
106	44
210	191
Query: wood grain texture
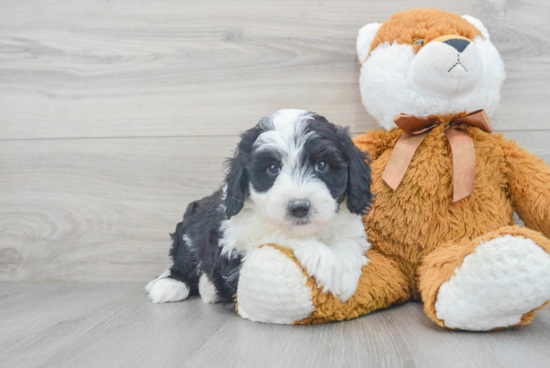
184	68
115	114
114	325
101	209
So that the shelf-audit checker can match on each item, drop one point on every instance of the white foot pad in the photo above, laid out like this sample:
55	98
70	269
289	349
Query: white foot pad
165	290
496	285
272	289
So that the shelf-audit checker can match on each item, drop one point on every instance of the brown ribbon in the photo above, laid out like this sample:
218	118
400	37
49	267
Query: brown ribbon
462	146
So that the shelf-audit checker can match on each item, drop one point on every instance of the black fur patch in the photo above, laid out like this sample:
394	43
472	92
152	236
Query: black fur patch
237	177
258	176
202	254
349	174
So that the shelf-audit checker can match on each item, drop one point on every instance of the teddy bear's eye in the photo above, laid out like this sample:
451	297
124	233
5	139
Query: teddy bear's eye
420	42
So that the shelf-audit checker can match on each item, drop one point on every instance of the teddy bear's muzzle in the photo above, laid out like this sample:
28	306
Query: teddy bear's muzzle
448	67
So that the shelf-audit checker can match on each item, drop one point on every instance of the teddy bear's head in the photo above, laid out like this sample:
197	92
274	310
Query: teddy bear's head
428	62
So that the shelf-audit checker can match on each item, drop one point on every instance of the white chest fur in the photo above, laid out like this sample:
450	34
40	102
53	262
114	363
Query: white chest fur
248	230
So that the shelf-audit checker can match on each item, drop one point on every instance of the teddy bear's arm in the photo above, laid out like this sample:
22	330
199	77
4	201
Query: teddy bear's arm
373	141
529	180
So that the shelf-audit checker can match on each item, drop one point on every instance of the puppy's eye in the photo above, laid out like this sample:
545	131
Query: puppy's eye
321	166
273	169
420	42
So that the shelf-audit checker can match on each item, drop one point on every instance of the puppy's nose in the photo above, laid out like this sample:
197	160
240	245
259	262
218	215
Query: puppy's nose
458	43
298	208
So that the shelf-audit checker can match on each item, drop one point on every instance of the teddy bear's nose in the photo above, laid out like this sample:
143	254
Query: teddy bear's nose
458	43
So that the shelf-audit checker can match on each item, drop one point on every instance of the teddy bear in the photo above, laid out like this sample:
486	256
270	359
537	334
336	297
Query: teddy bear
442	227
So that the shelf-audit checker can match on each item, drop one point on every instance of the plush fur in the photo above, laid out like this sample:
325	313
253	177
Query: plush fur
296	180
396	74
280	278
468	263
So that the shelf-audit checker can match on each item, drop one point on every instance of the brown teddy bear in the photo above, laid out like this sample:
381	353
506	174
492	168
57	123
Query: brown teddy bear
442	227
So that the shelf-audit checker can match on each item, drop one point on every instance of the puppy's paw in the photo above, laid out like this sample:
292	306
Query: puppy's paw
326	268
346	283
167	290
207	290
335	269
316	258
151	283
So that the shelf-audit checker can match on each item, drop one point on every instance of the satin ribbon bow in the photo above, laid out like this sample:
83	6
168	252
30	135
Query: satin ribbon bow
462	146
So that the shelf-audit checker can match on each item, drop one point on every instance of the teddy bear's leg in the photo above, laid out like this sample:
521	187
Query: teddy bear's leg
495	281
274	288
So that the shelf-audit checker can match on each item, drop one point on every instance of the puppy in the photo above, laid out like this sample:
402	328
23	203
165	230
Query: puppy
297	181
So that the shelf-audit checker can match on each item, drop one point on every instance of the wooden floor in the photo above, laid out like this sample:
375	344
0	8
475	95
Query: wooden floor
68	324
115	114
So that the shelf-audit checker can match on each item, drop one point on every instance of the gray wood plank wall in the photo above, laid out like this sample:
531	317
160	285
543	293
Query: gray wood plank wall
115	114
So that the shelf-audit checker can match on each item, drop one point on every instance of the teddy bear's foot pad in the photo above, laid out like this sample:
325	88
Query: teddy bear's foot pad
497	284
272	288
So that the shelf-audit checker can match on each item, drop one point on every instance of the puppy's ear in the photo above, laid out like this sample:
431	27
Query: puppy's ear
236	183
359	195
237	177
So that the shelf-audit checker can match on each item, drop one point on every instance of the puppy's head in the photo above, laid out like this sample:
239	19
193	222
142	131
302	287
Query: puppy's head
295	168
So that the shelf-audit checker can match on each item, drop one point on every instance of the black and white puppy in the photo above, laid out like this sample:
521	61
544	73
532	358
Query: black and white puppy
297	181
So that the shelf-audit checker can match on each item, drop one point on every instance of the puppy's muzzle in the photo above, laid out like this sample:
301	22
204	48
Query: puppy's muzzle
299	208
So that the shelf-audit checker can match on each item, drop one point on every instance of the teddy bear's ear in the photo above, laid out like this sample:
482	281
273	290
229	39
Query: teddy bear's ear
365	38
477	23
